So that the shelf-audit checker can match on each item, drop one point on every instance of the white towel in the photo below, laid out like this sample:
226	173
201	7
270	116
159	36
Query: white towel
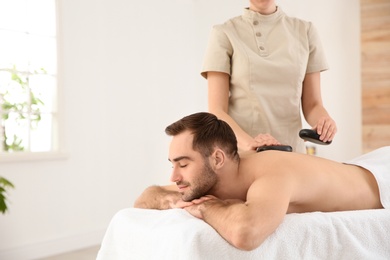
378	162
174	234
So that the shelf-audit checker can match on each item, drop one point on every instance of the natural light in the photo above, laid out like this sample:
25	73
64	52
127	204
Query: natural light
28	68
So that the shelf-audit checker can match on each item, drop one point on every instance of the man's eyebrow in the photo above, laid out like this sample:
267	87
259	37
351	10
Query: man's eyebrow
180	158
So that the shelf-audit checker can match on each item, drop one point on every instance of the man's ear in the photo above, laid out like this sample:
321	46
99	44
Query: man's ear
219	158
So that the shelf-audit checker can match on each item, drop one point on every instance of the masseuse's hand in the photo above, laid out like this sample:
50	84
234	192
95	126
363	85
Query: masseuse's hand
326	128
265	139
259	140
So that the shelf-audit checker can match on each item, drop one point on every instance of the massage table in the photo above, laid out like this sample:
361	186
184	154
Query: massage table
175	234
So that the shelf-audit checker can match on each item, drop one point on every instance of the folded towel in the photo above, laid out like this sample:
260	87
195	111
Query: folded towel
378	162
175	234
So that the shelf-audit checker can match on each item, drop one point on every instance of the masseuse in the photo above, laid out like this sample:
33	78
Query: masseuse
261	68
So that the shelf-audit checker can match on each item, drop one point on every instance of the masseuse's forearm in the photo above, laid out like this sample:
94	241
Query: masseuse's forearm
156	197
218	104
243	139
314	113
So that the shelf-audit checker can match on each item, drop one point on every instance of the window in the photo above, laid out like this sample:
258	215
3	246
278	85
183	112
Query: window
28	82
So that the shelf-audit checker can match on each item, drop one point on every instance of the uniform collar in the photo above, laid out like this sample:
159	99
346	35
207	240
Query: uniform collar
252	15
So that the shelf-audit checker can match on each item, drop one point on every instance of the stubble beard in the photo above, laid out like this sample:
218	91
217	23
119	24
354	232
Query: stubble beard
203	185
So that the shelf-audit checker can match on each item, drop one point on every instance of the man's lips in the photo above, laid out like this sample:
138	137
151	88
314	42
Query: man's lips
182	187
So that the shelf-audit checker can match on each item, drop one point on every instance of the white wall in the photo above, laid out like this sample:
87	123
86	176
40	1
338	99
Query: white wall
338	23
129	68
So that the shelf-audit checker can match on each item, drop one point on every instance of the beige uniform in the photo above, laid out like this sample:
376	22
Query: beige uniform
267	57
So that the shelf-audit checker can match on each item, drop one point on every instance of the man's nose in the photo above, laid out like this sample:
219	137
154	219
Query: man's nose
175	176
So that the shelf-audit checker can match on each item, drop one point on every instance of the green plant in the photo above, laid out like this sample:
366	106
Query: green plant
4	186
27	108
16	98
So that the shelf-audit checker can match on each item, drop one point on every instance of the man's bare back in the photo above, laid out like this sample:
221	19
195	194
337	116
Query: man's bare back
317	184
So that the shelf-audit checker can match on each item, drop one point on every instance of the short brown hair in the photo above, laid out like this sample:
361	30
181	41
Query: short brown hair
208	131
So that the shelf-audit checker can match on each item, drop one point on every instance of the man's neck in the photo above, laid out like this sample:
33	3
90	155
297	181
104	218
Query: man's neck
230	185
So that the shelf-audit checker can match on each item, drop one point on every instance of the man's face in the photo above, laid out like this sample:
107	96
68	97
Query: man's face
192	173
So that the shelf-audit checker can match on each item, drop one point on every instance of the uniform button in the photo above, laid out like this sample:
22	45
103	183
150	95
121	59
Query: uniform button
255	22
262	48
258	34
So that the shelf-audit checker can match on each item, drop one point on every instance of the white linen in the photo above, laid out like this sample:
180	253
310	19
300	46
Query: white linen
378	163
175	234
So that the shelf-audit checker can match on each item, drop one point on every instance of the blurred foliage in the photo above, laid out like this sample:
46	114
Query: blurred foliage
4	186
21	108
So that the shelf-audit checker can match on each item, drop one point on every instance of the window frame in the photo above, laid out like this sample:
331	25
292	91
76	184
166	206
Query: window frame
58	150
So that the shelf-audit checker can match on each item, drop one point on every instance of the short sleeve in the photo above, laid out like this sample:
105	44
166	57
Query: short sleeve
317	61
218	53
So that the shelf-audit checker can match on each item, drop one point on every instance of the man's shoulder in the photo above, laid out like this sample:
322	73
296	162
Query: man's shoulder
263	163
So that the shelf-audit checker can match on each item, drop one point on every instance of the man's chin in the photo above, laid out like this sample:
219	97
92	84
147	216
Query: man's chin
188	198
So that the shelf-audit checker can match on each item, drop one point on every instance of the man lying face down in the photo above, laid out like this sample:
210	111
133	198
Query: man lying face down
245	199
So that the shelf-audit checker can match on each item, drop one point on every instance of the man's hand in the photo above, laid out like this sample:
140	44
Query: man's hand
197	204
201	204
181	204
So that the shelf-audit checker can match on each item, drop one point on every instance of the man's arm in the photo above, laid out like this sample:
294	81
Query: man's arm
160	197
246	225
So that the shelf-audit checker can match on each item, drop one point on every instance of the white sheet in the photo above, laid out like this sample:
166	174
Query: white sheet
378	163
175	234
